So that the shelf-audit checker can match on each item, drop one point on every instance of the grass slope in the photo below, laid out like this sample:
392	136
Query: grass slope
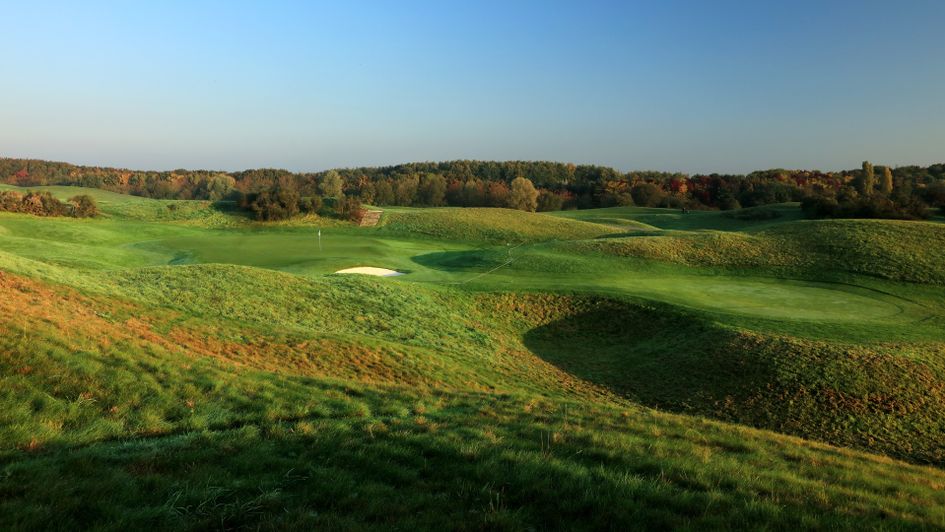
644	218
154	374
896	250
486	225
115	415
885	398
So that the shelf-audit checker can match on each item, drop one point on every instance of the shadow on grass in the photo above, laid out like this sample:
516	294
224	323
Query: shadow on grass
655	357
815	390
406	473
471	260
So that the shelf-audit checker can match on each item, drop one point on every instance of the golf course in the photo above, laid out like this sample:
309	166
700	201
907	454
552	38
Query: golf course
176	364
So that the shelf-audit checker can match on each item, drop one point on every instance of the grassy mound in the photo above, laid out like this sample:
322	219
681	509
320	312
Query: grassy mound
896	250
890	249
884	398
129	411
643	218
384	331
487	225
134	393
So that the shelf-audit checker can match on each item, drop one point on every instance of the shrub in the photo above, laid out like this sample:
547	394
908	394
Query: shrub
349	208
84	206
35	203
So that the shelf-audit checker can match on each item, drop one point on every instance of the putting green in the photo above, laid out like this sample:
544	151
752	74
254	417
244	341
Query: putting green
771	299
756	297
298	251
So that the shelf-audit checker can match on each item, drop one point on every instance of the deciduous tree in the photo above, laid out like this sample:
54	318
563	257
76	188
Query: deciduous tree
331	184
886	185
867	179
523	195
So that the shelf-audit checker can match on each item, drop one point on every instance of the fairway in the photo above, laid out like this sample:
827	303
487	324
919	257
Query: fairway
296	250
115	243
790	300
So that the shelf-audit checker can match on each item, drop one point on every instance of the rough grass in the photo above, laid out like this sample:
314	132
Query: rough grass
885	398
468	463
135	394
121	414
896	250
650	218
487	225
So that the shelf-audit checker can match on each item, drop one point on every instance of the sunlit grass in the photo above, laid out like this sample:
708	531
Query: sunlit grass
160	373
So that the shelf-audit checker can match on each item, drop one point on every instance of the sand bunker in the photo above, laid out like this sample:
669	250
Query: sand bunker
370	270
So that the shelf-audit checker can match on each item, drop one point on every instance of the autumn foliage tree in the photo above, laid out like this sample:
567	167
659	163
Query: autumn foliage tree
465	183
886	185
523	195
497	194
867	179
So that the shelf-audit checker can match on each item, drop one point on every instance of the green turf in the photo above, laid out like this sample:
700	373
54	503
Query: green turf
635	219
187	368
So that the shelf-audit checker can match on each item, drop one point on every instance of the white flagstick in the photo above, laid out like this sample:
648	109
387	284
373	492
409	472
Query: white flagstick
319	239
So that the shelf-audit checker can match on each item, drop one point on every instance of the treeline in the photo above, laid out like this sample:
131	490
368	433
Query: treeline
903	192
282	200
44	204
175	184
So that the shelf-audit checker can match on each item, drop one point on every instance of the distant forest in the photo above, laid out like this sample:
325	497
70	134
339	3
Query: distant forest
907	192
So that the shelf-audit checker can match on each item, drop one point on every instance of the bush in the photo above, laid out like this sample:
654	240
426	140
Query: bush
349	208
35	203
84	206
10	201
278	203
270	206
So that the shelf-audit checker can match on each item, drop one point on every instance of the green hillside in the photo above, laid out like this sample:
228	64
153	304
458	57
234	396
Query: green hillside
896	250
487	225
632	218
168	373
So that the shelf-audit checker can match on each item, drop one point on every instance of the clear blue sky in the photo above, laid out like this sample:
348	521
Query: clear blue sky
694	86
